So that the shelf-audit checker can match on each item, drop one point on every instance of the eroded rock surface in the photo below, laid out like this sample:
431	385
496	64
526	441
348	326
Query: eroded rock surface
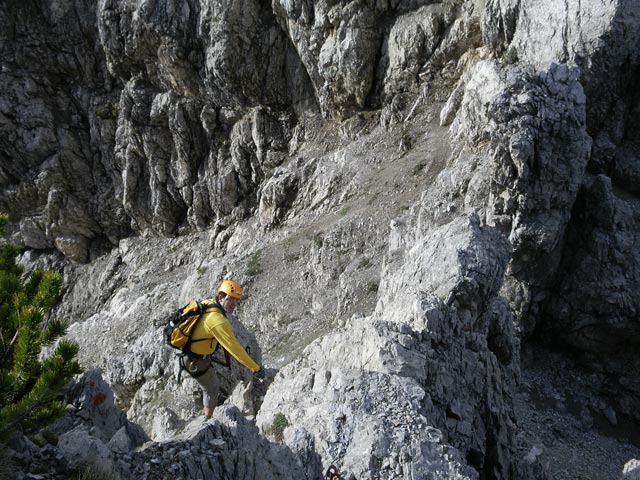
454	178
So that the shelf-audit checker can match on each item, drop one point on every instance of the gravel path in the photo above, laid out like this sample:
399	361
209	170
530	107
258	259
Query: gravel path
570	430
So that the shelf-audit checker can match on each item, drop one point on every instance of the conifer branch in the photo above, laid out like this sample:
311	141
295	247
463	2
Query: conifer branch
25	413
8	349
28	385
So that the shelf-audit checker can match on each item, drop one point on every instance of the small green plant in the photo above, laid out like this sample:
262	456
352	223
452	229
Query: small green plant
285	320
280	422
39	469
108	112
281	346
44	437
373	286
50	436
253	265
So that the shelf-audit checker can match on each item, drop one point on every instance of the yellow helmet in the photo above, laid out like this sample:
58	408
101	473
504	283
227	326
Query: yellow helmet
231	288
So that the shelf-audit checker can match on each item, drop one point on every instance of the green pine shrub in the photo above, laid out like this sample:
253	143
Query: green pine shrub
28	385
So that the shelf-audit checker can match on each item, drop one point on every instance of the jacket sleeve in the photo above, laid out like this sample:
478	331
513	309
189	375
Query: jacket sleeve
224	334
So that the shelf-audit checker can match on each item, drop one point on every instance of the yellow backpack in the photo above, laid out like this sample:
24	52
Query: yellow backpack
180	325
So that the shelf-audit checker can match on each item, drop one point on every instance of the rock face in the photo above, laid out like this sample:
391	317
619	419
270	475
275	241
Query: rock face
631	470
172	118
100	430
94	431
57	121
228	446
398	388
454	178
539	153
603	264
95	436
608	59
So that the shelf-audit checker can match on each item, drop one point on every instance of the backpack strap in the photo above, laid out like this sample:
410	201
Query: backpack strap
203	307
215	304
180	356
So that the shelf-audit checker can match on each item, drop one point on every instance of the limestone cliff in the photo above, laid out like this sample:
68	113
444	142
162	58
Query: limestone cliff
407	190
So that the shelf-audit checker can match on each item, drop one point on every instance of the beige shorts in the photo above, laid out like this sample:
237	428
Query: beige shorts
201	370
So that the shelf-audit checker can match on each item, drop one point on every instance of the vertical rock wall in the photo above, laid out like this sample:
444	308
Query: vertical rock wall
585	295
164	117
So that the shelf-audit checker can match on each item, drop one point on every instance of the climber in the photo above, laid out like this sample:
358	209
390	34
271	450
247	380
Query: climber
214	326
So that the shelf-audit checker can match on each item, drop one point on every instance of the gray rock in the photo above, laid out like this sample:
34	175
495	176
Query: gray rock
228	445
536	30
631	470
54	127
540	34
540	154
79	448
413	38
406	374
120	441
601	264
96	400
200	122
74	247
358	426
337	44
276	196
165	424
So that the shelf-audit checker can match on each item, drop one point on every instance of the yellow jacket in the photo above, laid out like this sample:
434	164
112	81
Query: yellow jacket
214	327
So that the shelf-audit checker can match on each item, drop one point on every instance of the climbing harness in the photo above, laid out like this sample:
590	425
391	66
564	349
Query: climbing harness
195	373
